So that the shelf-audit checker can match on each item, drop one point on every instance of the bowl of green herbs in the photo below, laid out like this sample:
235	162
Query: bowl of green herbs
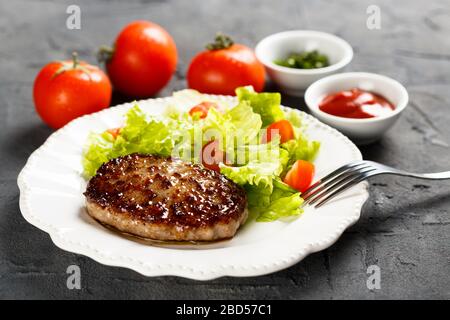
295	59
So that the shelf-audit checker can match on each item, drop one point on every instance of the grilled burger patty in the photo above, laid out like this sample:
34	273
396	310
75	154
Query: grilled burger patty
164	198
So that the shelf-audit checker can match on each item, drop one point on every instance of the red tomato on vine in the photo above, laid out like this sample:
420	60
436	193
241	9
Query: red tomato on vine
142	60
224	66
65	90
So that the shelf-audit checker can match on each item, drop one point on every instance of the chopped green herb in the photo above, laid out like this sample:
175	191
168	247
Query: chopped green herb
304	60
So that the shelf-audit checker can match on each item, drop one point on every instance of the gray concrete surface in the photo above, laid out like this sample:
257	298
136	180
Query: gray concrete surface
405	226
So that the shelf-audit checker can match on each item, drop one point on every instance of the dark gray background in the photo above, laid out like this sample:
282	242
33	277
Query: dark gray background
405	226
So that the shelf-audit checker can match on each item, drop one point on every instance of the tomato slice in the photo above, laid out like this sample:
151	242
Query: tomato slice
300	176
202	109
283	128
114	132
212	155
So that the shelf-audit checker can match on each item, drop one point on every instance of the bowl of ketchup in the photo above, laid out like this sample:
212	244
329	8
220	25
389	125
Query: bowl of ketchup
361	105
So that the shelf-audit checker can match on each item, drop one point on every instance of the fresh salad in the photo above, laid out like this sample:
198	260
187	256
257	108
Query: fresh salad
255	143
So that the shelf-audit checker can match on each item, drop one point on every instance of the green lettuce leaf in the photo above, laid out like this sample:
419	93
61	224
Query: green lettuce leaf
96	153
263	163
246	122
282	204
268	197
266	104
153	136
237	125
300	149
294	117
269	205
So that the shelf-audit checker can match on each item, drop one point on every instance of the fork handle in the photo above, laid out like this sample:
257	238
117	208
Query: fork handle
428	176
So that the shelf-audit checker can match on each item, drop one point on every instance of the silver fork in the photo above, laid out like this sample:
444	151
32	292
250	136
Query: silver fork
353	173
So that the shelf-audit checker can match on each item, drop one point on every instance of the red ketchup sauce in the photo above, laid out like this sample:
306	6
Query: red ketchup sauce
356	103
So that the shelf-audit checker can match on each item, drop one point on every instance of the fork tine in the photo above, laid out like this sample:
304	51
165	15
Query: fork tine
346	186
329	182
325	184
338	183
331	175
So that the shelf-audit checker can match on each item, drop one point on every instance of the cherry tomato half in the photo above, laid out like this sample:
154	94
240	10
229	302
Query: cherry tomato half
212	155
202	109
300	176
283	128
114	132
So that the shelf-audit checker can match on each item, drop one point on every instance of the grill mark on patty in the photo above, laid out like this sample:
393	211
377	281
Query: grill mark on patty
164	190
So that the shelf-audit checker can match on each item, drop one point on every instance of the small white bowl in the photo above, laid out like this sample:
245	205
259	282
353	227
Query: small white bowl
294	81
361	131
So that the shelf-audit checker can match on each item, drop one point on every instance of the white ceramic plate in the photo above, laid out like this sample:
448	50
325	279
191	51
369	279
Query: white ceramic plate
51	198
